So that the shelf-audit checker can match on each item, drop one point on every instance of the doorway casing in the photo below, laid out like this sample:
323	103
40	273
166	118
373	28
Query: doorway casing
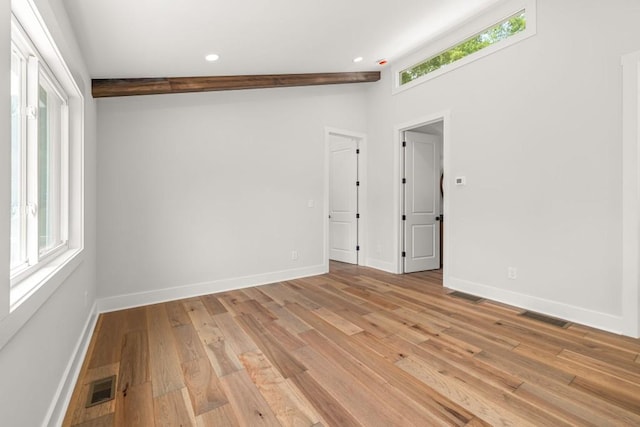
362	191
631	194
444	117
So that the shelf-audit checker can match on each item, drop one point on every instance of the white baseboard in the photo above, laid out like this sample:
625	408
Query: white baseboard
59	404
595	319
122	302
389	267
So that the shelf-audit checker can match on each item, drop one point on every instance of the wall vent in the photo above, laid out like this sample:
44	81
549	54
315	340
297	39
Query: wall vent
546	319
468	297
101	391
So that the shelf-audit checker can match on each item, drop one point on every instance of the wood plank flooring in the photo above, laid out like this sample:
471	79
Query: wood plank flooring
356	347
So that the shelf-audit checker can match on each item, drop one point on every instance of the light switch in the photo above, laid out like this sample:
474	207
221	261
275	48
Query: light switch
461	180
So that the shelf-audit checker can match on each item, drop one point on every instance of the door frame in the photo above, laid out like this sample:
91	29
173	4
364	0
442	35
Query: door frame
445	118
362	191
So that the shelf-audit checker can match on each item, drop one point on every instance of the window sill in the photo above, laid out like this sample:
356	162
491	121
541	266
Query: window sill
31	293
31	284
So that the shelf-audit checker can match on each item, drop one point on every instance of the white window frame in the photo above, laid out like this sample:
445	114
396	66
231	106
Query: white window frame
37	75
23	295
458	35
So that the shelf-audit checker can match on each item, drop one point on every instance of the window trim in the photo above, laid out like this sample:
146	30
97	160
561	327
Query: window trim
20	302
460	34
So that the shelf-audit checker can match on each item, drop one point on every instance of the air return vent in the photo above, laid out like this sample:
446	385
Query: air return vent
468	297
101	391
546	319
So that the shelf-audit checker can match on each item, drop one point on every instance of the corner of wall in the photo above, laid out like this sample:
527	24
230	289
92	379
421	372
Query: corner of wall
60	402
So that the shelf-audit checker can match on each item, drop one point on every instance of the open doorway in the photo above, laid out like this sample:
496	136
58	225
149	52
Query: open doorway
344	196
422	197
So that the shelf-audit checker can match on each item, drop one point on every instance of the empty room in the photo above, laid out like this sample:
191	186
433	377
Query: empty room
320	213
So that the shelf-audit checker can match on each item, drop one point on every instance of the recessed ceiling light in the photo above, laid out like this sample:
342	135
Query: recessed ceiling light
358	59
212	57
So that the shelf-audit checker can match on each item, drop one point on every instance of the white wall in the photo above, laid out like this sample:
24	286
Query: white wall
201	188
33	363
536	129
212	187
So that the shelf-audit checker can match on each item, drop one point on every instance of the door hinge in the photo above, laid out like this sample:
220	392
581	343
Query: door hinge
357	151
404	254
357	216
404	143
357	248
357	183
404	180
404	217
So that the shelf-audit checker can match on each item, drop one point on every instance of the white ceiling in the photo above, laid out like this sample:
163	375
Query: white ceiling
169	38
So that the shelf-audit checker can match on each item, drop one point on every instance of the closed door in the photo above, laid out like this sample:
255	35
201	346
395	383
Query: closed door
421	202
343	199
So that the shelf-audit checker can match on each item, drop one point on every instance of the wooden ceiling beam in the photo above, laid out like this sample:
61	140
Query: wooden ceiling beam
102	88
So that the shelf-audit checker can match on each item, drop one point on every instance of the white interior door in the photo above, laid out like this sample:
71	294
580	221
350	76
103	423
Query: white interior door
422	202
343	199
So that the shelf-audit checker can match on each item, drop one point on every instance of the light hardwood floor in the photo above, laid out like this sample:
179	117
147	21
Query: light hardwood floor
350	348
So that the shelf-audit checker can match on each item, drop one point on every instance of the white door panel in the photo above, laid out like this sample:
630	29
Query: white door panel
343	199
341	236
423	239
422	202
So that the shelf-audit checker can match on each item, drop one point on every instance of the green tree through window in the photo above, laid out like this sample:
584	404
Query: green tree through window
505	29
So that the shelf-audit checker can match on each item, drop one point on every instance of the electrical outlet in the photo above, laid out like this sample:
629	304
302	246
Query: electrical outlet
512	273
294	255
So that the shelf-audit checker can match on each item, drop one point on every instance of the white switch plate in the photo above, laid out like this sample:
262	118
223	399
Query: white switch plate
311	203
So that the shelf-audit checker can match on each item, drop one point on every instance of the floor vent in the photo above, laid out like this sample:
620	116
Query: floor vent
546	319
101	391
468	297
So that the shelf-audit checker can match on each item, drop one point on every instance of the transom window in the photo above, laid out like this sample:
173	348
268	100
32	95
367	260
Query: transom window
501	31
485	34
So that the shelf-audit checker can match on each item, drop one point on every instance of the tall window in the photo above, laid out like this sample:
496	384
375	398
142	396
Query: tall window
39	159
46	170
